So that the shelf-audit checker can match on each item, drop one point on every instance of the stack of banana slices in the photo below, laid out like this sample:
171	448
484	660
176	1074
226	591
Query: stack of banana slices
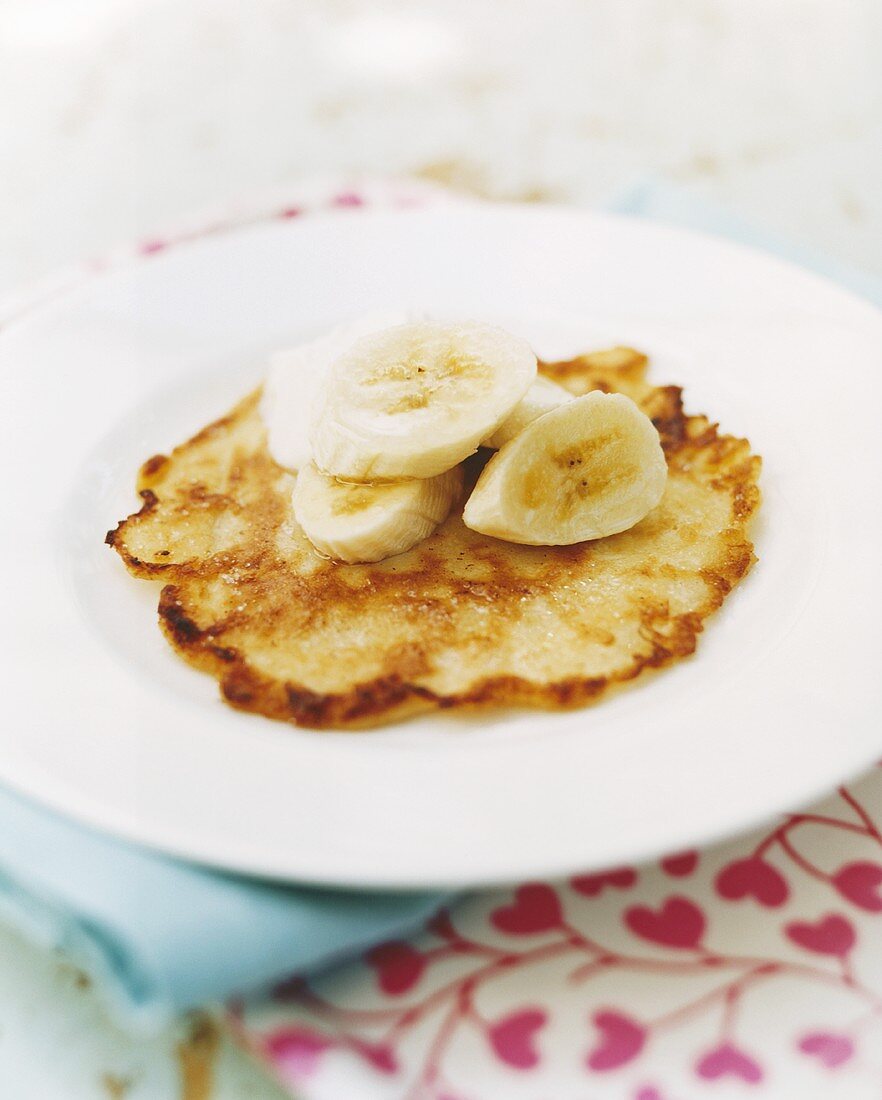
394	413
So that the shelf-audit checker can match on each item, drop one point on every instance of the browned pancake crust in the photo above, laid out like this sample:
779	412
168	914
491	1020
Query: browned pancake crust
460	620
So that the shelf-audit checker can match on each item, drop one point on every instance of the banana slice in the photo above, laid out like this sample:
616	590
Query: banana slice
543	396
416	400
360	522
590	468
296	379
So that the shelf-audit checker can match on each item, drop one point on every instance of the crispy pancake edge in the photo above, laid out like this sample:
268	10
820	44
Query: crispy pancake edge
392	697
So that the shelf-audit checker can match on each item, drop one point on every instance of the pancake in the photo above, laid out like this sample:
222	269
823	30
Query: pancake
462	619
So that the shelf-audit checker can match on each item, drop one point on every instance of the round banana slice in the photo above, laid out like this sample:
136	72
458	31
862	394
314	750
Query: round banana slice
590	468
296	380
543	396
416	400
360	522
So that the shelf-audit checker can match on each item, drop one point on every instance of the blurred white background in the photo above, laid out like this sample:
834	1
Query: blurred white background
120	118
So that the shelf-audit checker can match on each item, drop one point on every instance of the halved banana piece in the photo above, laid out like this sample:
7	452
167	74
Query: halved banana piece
542	396
416	400
296	380
360	522
589	468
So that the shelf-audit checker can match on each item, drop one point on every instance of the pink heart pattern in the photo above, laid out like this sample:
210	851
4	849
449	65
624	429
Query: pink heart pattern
859	883
536	908
398	965
727	1060
622	878
513	1038
441	925
831	935
828	1047
621	1040
680	865
296	1050
754	878
678	923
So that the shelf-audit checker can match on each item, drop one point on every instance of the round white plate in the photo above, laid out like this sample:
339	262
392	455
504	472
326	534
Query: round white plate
783	699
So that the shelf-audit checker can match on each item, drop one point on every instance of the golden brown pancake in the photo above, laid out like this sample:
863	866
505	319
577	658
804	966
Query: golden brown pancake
461	619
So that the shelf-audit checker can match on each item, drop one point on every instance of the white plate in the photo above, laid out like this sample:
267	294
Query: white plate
102	721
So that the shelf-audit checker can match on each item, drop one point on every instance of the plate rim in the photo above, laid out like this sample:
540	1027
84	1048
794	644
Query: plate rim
131	832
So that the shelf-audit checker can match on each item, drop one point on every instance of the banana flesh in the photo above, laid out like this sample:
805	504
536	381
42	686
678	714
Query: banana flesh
393	412
542	396
361	522
592	467
297	378
415	400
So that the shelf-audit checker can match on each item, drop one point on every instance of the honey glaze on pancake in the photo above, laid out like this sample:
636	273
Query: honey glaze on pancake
461	619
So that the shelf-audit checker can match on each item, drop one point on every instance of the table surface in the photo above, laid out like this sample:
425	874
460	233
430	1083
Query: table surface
120	118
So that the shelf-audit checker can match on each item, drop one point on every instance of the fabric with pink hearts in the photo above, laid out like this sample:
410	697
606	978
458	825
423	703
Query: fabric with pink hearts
750	969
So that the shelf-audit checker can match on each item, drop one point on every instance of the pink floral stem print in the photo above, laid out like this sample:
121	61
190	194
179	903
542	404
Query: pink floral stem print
655	975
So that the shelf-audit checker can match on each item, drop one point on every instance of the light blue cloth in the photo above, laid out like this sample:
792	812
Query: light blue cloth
162	936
